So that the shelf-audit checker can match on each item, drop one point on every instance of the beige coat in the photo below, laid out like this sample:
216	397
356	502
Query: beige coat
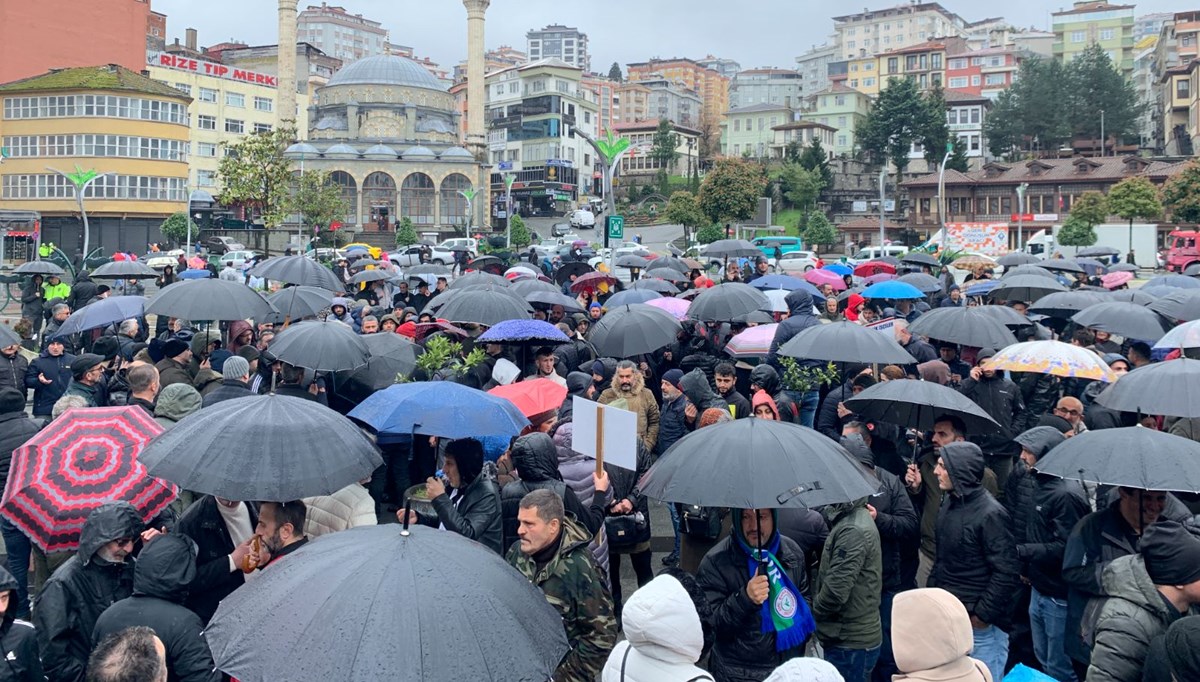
349	507
640	401
931	637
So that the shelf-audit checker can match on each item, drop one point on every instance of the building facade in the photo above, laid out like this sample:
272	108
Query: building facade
1095	22
340	34
801	133
925	63
766	86
842	108
56	34
608	99
664	99
565	43
639	165
1177	48
874	31
108	119
726	67
314	68
749	131
986	72
862	74
814	66
688	74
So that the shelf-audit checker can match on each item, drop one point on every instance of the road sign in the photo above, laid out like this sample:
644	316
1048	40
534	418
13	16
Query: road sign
616	227
1023	217
504	166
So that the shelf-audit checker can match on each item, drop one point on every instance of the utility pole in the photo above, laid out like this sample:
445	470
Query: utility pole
1021	190
882	179
942	191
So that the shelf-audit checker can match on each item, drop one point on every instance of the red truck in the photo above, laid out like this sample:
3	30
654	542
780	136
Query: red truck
1183	249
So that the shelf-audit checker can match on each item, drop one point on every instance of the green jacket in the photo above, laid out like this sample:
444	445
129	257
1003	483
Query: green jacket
87	392
53	291
572	586
848	586
1127	622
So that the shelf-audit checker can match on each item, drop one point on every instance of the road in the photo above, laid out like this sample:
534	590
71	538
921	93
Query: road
655	238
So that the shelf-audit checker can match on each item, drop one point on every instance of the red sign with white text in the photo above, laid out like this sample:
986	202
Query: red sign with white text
183	63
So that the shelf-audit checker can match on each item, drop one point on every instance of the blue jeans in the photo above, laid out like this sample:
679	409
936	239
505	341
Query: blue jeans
674	509
806	402
991	648
1048	625
17	545
855	665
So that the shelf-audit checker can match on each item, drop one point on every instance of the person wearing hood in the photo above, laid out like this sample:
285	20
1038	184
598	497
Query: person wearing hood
163	573
764	407
15	428
629	385
1097	416
1002	400
760	617
176	402
33	302
339	310
663	637
578	385
536	462
1147	593
18	640
1176	655
933	639
800	317
578	471
472	508
48	376
806	670
1044	510
222	530
765	378
72	600
700	397
83	290
975	559
603	370
240	334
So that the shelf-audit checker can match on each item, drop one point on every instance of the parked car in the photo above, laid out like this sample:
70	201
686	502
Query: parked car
583	219
873	252
786	245
219	244
411	255
471	243
162	259
797	262
559	229
238	258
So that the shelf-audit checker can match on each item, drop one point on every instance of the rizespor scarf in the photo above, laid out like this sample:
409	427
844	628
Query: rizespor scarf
784	612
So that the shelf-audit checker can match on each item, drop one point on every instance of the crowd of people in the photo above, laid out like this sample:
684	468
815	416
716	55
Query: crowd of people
966	563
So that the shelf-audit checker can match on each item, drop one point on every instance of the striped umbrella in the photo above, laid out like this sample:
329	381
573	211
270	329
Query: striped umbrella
755	342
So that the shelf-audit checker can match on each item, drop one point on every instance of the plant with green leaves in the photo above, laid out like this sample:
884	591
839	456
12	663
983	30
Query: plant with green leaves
804	379
317	200
814	158
518	234
175	228
663	152
406	232
442	354
897	118
683	209
731	190
710	233
958	157
1090	207
255	173
819	231
801	186
1134	198
1181	195
1076	231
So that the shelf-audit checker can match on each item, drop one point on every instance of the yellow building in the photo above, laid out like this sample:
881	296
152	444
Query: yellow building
862	74
107	119
227	104
712	87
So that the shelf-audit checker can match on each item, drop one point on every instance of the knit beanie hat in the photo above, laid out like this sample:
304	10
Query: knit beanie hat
235	367
1172	554
217	359
1183	648
674	377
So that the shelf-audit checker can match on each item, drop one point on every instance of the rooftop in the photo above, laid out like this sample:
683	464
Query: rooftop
1111	168
386	70
110	77
1089	7
652	124
756	108
804	125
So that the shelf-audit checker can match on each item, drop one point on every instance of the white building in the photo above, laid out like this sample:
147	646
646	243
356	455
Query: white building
874	31
813	66
766	86
339	34
726	67
564	43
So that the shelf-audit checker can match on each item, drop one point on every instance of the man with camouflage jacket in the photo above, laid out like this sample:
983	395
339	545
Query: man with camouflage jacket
553	554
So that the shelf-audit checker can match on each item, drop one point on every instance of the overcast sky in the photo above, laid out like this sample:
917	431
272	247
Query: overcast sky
758	33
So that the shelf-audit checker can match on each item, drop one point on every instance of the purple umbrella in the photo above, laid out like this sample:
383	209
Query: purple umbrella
752	343
678	307
522	331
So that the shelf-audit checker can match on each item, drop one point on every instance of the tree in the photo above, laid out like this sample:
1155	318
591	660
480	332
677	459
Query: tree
1134	198
318	202
1021	120
731	190
897	118
710	233
683	209
814	158
614	72
819	230
958	157
406	233
801	187
935	132
1076	232
664	150
1093	84
710	138
255	173
518	234
1091	208
175	228
1181	195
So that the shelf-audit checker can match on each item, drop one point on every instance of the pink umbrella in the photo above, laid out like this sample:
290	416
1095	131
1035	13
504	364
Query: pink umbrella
1115	279
676	306
880	277
197	262
823	277
754	342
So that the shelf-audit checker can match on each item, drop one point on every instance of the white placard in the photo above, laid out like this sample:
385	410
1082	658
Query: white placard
618	440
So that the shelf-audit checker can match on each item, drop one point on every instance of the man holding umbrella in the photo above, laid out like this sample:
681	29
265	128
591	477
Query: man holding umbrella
1001	399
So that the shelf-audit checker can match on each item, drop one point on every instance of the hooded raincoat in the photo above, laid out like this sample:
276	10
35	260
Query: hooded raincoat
932	639
663	637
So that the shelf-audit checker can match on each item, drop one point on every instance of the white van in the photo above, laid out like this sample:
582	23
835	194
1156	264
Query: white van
583	218
873	252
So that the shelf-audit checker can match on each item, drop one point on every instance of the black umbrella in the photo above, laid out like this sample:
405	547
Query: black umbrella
1123	267
320	345
391	356
577	268
1011	260
927	284
376	603
371	276
668	274
727	302
918	258
39	267
672	263
1131	296
124	269
731	248
486	306
474	279
778	464
1025	288
631	296
528	285
545	300
1132	457
661	286
360	263
1064	304
1170	388
262	447
631	261
964	326
631	330
301	301
486	263
1100	251
918	404
298	270
1125	319
1182	305
846	342
1061	265
1005	315
450	294
428	269
1028	270
209	299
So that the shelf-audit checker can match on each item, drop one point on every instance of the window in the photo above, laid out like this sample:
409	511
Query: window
538	86
208	95
1183	88
416	199
1078	36
841	140
262	127
235	99
850	44
893	64
206	149
958	82
54	186
453	204
994	79
206	122
854	83
839	100
513	87
263	104
206	178
975	114
737	125
232	125
868	82
935	61
952	117
737	150
104	106
869	66
1106	34
762	123
853	68
184	88
975	80
957	63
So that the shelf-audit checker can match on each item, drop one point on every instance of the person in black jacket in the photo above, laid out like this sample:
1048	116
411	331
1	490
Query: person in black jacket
473	508
629	501
833	415
214	524
765	378
15	428
726	379
800	317
536	462
48	376
1001	399
164	570
74	597
13	367
18	641
700	397
83	290
976	560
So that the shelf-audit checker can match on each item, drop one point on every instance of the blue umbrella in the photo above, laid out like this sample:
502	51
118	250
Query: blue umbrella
892	289
356	248
631	296
439	408
818	297
194	273
840	268
982	288
102	313
786	282
1179	281
514	331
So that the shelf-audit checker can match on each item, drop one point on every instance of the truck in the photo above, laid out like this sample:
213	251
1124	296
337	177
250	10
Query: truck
989	239
1182	250
1115	235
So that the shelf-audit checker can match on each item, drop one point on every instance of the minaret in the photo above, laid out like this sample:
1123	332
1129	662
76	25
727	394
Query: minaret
286	106
476	136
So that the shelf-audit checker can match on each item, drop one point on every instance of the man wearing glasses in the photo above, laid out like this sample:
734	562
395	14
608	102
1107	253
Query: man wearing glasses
87	379
1071	409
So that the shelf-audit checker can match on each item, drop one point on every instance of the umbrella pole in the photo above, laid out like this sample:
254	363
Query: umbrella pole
407	511
762	563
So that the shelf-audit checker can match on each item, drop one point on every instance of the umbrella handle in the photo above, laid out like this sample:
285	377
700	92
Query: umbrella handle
407	513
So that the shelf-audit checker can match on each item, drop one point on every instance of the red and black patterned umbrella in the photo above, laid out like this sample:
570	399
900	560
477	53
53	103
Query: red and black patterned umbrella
81	460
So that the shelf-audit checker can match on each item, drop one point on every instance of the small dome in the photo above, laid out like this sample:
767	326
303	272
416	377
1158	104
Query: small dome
341	150
456	153
381	150
419	152
301	149
386	70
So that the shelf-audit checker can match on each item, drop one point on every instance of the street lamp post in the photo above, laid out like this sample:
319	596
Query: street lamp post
81	180
941	192
1103	145
882	178
508	183
197	195
1021	190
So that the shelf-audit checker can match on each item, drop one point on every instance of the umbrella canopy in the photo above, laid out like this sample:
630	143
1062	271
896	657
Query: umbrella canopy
1132	457
1010	260
846	342
1061	265
377	600
1115	279
632	296
371	276
785	282
195	273
428	269
85	458
726	302
1025	288
839	269
660	286
298	270
1029	270
927	284
823	276
263	447
209	299
874	267
39	267
102	313
320	345
573	268
1098	251
677	307
524	331
520	272
632	261
672	263
632	330
1182	305
1170	388
532	396
972	262
391	356
1132	296
731	248
523	287
484	306
475	279
301	301
1124	319
669	274
920	258
894	290
8	337
1186	335
964	326
124	269
1092	266
755	342
777	299
592	280
1122	267
779	465
877	278
545	300
1052	357
1005	315
1064	304
360	263
981	288
439	408
1174	280
919	404
490	264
